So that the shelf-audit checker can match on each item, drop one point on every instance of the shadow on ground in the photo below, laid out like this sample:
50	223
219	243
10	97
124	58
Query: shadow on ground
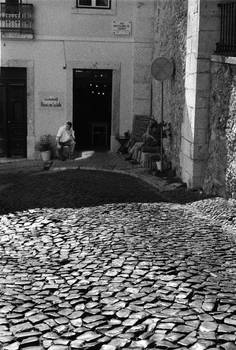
78	188
71	188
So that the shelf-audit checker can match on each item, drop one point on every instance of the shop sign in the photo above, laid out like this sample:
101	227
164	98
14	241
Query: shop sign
51	100
121	28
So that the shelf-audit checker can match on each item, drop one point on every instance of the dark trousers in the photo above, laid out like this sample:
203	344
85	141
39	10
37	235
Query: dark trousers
69	145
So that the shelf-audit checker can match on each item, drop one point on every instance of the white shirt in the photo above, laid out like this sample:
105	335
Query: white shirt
64	134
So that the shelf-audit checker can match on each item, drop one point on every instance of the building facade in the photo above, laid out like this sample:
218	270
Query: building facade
89	61
84	61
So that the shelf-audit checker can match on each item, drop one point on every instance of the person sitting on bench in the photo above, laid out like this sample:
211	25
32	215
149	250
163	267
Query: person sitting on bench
65	138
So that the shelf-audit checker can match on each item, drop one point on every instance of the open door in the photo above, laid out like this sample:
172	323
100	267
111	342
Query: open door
92	101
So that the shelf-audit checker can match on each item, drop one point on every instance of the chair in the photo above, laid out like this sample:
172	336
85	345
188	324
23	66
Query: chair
140	124
99	133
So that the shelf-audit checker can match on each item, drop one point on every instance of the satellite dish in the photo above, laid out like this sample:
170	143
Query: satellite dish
162	68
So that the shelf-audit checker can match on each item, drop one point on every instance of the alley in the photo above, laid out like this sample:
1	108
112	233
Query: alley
116	276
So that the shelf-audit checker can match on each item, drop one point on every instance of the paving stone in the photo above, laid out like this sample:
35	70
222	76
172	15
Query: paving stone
108	347
173	337
23	335
42	327
143	344
230	321
193	324
37	318
31	341
208	326
183	329
206	318
207	335
88	336
6	338
130	322
227	337
123	313
91	319
229	346
223	328
187	341
119	342
208	306
26	326
50	335
200	345
76	322
13	346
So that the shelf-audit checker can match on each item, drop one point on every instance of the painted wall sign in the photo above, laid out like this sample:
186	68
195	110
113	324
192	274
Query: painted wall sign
51	100
121	28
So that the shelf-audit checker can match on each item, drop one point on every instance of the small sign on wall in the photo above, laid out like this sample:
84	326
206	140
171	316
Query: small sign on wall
121	27
53	100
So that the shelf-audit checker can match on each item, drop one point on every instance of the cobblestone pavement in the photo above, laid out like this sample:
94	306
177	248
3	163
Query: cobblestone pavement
117	276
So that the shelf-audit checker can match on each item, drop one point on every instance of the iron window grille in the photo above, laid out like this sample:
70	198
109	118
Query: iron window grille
227	44
94	4
16	17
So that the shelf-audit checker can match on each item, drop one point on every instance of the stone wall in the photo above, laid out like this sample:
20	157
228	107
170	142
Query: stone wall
220	175
202	35
170	30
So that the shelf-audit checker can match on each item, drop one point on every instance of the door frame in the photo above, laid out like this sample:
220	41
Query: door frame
115	103
30	118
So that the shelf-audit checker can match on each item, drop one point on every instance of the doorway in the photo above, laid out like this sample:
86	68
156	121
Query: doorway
92	105
13	121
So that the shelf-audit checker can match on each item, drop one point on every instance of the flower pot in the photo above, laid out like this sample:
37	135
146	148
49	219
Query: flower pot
46	155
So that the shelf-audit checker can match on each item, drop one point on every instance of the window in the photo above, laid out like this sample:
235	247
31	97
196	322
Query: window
94	4
12	6
227	43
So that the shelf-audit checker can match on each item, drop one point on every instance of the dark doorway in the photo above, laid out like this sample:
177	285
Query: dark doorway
92	99
13	114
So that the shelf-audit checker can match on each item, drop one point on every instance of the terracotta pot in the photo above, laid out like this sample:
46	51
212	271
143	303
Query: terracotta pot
46	156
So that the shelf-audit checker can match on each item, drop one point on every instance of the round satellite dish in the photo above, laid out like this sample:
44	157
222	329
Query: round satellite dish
162	68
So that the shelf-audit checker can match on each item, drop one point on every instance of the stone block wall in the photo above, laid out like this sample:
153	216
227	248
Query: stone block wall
220	175
170	30
202	35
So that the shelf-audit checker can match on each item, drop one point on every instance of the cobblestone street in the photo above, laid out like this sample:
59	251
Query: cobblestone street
116	276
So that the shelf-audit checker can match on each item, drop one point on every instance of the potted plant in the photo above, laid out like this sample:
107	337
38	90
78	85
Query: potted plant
44	146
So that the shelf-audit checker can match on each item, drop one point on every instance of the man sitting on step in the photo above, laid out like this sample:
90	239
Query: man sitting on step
65	139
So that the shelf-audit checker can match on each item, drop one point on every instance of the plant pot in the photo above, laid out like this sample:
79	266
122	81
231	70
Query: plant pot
46	155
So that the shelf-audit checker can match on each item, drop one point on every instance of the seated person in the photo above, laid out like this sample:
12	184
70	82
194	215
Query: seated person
65	137
151	142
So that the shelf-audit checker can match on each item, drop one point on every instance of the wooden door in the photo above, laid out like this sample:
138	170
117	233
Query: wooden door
3	122
16	120
13	113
